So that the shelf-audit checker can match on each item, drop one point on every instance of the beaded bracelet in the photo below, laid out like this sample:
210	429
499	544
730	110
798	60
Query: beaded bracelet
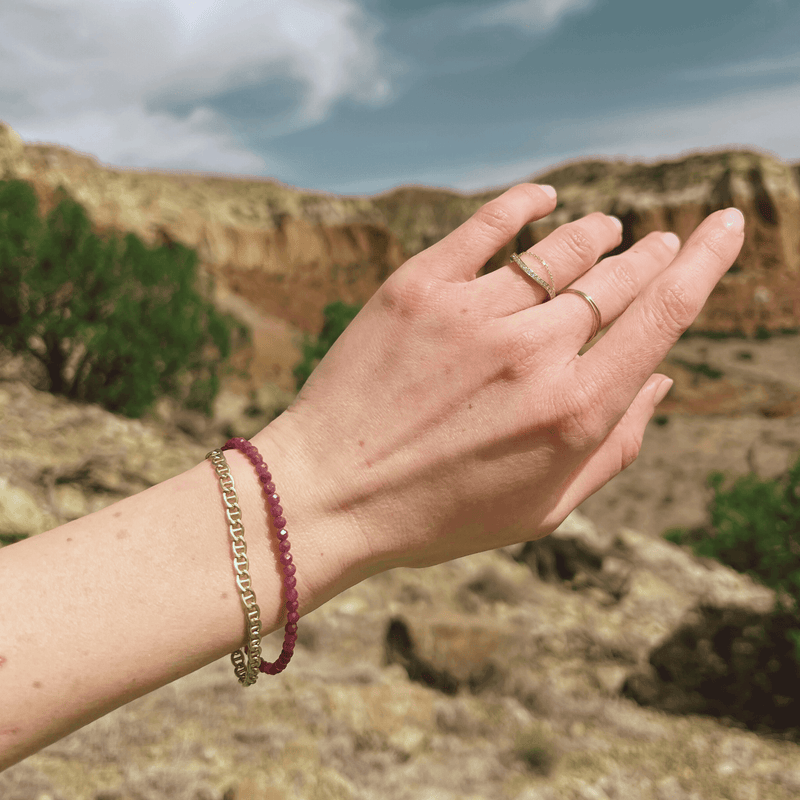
248	674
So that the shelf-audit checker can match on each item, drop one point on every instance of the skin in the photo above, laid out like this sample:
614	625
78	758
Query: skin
455	415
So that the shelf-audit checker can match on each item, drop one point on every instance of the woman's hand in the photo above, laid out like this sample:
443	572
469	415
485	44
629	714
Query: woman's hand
455	415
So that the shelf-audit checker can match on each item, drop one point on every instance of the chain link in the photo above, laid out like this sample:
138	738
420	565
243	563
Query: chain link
248	674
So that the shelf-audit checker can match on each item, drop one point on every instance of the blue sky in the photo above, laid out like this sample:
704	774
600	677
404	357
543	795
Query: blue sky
361	96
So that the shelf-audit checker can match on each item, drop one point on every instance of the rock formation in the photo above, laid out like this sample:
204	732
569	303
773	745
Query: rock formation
602	662
284	254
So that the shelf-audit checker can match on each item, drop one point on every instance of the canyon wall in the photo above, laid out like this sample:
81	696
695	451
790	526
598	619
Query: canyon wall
287	253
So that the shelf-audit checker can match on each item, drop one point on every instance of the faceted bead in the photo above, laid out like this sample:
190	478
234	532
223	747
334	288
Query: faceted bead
290	581
280	522
291	638
284	546
286	559
288	647
291	627
290	570
265	477
276	510
292	616
291	594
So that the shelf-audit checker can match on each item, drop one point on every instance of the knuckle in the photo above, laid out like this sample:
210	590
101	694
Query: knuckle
675	309
577	242
581	419
496	218
624	278
404	295
518	354
715	245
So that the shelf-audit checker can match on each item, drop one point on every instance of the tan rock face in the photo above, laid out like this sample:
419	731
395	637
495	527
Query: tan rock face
287	253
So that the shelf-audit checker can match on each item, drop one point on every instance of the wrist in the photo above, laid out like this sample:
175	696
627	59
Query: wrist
329	554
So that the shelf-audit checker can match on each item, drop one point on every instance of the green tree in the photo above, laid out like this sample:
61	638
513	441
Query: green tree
113	322
338	316
755	529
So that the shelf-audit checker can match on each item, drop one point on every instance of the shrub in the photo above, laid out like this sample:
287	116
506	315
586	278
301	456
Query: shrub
338	316
755	529
114	322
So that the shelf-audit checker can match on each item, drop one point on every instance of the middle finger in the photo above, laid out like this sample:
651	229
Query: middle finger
569	251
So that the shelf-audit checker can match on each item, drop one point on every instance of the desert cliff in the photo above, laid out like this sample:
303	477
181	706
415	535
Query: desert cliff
283	254
602	662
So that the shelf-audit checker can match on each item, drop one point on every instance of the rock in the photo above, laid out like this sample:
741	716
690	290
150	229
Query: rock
20	514
291	252
13	160
449	653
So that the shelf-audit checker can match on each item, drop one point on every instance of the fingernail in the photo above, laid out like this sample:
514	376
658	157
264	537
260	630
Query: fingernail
548	190
616	221
672	240
734	219
662	390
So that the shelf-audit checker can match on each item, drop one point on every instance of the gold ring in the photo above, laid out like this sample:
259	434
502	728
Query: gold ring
550	289
595	310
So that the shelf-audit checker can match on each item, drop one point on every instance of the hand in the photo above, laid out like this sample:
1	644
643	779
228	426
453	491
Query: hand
455	415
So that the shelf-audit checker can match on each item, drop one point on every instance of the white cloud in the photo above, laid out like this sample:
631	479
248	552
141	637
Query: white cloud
765	121
86	74
537	16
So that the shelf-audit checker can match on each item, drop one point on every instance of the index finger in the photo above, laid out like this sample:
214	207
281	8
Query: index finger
639	340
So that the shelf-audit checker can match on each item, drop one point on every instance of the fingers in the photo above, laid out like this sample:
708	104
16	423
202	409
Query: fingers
615	453
568	252
613	284
619	364
462	253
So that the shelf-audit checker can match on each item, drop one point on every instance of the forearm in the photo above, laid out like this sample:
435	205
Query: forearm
114	605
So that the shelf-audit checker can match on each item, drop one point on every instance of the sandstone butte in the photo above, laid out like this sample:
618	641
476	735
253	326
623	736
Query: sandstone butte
277	255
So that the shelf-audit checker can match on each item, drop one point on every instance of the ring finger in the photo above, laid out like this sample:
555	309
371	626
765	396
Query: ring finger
560	258
613	285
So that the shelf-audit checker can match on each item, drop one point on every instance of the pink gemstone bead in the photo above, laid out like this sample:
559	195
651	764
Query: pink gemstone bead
289	569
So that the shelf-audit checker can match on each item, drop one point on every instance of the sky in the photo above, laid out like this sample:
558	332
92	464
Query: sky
358	97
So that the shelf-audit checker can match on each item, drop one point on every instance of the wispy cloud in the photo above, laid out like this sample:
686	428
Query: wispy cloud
84	73
789	65
766	121
531	16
